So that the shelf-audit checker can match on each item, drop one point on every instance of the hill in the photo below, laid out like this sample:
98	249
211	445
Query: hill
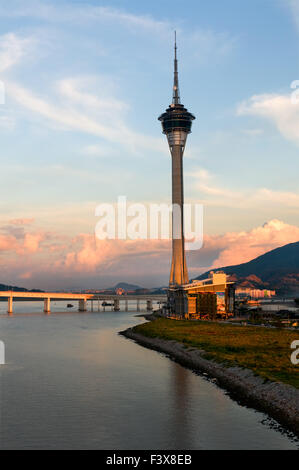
4	287
278	269
127	287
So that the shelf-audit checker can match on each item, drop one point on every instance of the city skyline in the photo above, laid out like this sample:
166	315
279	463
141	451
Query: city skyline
78	79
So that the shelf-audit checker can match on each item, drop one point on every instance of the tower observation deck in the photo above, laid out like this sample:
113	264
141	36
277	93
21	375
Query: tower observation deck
176	125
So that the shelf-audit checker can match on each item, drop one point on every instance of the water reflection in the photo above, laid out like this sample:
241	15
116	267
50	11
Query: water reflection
72	382
183	438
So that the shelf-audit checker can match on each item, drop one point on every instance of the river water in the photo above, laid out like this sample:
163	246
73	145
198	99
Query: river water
71	382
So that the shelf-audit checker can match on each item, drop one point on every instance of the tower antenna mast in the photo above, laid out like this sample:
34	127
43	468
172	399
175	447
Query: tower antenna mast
176	91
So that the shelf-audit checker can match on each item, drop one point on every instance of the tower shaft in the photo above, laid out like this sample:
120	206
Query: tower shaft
178	272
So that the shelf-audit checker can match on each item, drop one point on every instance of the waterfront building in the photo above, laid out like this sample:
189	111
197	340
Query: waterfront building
207	299
243	292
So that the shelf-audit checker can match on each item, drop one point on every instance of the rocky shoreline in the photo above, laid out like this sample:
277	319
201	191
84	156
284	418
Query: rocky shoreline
278	400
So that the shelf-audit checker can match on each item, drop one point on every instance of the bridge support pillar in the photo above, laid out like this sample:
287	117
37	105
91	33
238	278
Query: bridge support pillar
47	305
116	305
126	305
138	305
149	305
82	305
10	306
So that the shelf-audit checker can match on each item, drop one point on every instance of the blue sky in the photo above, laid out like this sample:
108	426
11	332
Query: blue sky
85	83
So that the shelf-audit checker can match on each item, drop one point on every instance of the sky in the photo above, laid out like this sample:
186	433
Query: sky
81	87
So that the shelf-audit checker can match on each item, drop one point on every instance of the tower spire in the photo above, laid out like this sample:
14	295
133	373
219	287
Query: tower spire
176	91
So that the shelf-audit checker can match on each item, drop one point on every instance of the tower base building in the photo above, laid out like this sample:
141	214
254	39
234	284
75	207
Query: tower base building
210	299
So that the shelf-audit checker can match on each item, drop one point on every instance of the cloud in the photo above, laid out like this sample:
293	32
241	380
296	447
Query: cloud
21	221
24	245
294	8
17	238
88	13
207	44
203	42
61	261
276	108
26	275
13	49
8	243
7	122
129	20
68	119
253	132
78	120
71	88
32	242
207	183
285	198
74	107
241	247
98	151
89	254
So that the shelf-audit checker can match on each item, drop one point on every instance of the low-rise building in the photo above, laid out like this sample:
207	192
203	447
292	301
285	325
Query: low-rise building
242	292
210	298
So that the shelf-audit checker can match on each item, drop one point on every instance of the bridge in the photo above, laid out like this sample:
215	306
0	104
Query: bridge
96	300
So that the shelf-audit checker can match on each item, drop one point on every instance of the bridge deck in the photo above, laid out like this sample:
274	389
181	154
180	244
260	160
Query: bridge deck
82	298
73	296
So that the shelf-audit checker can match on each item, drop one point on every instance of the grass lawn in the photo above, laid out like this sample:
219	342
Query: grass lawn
265	351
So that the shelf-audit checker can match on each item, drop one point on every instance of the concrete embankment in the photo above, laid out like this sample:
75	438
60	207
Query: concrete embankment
278	400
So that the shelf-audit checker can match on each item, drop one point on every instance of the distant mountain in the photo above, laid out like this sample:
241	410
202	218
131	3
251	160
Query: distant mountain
278	269
4	287
137	289
127	287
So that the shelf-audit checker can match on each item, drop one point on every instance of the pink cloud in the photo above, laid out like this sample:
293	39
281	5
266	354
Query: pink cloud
8	243
32	242
21	221
240	247
48	259
89	253
26	275
27	244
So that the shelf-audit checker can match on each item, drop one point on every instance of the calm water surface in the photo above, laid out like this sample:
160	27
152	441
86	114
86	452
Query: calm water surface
72	382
